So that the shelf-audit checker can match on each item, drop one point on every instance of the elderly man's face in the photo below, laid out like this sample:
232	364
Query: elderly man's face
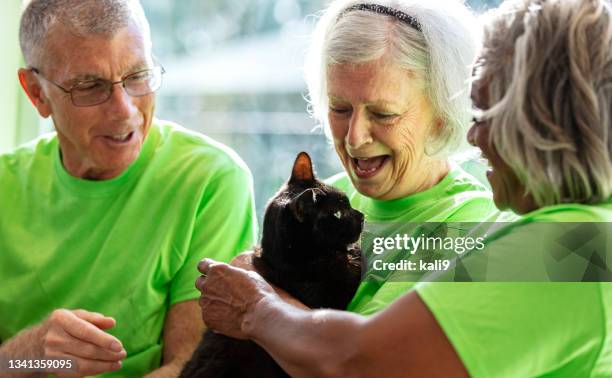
98	142
380	120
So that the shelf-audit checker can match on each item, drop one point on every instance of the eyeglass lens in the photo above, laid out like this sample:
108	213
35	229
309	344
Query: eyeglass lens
96	92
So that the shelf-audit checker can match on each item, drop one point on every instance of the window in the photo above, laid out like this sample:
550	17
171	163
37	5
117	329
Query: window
234	73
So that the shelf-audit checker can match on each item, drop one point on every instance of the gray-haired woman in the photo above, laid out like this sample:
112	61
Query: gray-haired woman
545	90
390	83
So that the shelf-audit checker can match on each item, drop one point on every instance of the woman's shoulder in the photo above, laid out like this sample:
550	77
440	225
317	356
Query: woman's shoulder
561	243
458	197
340	181
572	212
547	225
467	178
457	182
472	199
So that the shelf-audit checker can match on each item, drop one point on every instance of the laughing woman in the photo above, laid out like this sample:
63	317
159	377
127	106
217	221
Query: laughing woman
389	81
545	89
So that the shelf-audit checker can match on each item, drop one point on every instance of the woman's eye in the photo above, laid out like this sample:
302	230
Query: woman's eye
338	110
384	116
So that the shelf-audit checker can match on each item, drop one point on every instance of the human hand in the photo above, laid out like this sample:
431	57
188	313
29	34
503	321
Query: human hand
79	334
229	294
244	261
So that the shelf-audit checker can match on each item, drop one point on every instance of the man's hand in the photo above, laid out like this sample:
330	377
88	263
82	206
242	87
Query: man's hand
78	334
75	334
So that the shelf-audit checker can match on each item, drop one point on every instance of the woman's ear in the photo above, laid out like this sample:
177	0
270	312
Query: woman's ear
437	127
33	89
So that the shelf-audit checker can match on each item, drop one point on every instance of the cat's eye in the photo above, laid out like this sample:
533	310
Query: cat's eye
338	214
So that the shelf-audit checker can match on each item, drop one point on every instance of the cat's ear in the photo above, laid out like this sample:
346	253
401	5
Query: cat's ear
303	203
302	169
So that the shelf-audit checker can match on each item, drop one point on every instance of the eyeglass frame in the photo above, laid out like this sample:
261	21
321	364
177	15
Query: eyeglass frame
111	84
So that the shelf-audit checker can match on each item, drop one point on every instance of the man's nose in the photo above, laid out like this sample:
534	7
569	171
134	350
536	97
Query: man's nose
121	103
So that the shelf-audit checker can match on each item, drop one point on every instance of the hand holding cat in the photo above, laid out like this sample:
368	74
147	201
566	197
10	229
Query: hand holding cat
244	261
229	295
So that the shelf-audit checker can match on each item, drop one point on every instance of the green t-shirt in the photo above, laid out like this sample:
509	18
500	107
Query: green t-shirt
126	247
458	197
528	329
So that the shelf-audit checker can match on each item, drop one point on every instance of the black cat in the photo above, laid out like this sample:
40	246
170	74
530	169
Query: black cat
307	249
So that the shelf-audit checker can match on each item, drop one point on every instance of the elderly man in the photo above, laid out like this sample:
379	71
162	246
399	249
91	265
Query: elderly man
102	223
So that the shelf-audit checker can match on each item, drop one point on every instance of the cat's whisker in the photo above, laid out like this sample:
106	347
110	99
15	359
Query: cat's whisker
314	193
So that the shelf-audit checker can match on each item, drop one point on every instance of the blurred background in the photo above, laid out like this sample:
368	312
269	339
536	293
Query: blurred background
234	72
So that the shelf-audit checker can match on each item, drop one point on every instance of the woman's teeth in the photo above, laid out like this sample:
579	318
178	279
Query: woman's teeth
367	165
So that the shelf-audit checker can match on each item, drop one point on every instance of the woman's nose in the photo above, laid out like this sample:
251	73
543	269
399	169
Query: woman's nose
471	134
359	133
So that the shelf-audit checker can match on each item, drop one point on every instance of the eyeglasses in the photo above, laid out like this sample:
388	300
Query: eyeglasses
95	92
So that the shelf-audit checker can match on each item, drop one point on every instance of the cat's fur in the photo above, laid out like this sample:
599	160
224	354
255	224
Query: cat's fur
307	249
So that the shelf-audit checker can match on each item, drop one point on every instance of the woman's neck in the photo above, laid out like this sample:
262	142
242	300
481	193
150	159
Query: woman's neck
429	173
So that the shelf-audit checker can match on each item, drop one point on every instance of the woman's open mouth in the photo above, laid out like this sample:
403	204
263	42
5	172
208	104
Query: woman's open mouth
367	167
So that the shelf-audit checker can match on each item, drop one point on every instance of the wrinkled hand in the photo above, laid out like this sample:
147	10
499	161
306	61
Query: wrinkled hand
244	261
78	334
228	295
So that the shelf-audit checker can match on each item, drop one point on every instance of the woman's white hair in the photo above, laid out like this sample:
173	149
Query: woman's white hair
546	67
441	54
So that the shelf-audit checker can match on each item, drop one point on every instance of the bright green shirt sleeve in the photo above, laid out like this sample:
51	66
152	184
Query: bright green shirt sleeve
224	224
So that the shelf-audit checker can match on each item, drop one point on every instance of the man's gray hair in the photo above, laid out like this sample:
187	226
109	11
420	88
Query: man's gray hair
547	70
441	55
81	17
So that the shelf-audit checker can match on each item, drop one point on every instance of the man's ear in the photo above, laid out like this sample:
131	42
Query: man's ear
32	88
